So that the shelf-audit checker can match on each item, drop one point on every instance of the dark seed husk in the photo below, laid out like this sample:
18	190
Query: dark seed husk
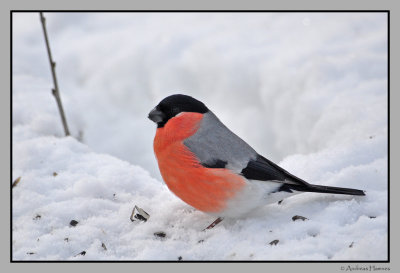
160	234
274	242
298	217
73	223
140	217
83	253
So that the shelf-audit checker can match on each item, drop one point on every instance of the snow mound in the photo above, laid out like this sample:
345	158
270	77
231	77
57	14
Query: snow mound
63	180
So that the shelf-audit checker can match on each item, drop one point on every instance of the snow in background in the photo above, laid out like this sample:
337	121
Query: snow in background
306	90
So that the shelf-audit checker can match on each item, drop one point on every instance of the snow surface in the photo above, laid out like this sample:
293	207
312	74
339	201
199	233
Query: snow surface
307	90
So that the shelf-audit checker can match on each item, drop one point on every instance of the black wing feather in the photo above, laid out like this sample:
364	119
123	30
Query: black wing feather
264	170
216	164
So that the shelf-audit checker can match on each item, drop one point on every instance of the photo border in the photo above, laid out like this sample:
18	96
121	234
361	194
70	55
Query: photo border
206	11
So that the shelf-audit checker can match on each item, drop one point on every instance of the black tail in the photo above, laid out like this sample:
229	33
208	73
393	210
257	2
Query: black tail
319	188
337	190
266	170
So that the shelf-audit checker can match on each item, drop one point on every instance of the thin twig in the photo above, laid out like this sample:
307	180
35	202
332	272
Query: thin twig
213	224
15	183
55	90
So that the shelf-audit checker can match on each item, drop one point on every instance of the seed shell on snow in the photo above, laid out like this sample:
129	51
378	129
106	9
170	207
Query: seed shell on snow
139	214
160	234
73	223
298	217
274	242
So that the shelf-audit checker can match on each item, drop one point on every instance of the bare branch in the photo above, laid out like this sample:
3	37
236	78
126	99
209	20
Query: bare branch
55	90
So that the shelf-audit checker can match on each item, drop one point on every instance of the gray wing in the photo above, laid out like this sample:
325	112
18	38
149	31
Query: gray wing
217	147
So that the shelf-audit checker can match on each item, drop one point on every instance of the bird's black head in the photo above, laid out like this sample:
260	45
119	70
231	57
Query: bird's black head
172	106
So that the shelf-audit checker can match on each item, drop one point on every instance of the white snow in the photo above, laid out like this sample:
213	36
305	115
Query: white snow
306	90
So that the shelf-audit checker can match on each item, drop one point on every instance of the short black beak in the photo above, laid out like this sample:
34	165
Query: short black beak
156	115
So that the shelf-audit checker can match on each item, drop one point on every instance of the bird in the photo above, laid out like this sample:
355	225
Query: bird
212	169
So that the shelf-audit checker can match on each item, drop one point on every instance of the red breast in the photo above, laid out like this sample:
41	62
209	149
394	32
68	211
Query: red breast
205	189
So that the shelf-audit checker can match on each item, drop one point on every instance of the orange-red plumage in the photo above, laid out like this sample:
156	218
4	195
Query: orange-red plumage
203	188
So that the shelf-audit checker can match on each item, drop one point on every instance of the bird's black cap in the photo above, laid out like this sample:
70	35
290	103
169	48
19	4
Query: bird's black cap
172	105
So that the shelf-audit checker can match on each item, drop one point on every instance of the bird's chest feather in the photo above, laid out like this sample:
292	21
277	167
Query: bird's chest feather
206	189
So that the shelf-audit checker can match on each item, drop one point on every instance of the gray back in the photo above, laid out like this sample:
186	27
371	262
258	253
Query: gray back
214	141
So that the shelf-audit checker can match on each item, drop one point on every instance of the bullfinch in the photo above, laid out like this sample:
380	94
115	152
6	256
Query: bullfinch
212	169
